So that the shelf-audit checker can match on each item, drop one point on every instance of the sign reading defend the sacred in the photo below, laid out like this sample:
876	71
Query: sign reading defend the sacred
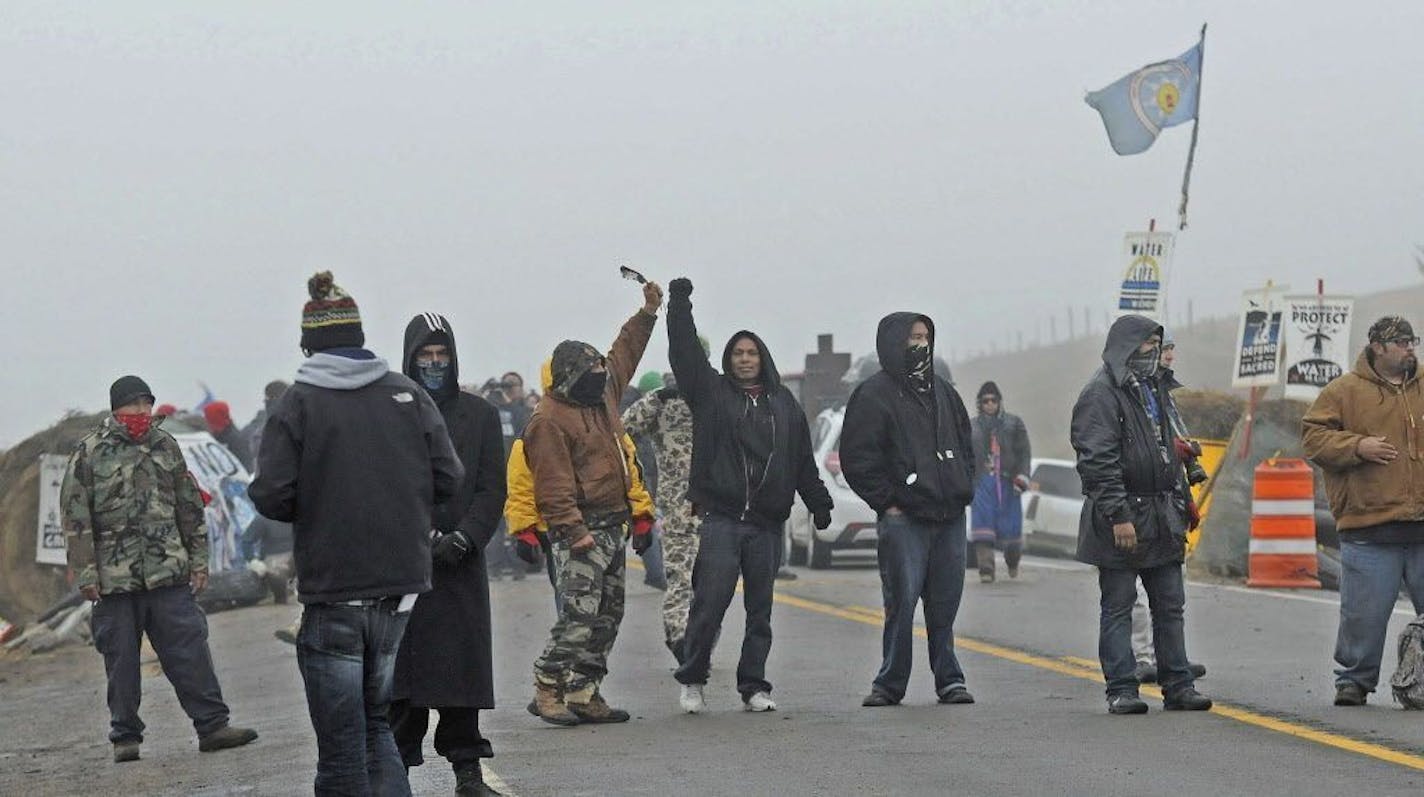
1258	340
1147	256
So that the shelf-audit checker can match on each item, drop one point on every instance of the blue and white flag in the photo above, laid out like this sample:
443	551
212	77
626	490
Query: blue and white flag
1137	107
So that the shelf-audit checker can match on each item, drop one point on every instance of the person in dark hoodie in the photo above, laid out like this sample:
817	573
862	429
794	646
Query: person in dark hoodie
444	661
1188	450
751	453
354	456
905	449
574	448
1134	521
1001	450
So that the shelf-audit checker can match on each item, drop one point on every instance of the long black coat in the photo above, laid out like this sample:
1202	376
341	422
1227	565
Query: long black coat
1125	476
444	659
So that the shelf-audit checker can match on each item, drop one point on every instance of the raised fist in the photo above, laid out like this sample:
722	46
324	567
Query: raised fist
682	286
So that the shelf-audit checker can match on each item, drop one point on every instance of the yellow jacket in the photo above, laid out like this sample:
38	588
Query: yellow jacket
520	511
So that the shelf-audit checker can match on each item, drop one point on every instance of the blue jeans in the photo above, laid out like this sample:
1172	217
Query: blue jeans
1370	576
919	561
1166	598
653	574
347	656
729	548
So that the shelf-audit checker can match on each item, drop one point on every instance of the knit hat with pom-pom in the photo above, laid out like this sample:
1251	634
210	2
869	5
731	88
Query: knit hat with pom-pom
330	320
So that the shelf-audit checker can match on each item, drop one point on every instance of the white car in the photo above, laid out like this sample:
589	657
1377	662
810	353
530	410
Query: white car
852	520
1052	505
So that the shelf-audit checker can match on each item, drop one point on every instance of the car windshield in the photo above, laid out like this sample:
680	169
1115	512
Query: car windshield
1058	480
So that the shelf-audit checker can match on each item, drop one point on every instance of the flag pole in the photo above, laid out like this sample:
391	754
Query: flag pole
1192	150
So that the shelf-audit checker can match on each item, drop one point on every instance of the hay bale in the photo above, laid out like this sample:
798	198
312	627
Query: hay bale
1209	414
28	588
1226	532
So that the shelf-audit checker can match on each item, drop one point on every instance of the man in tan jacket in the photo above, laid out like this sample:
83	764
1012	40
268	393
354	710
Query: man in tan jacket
1364	432
574	447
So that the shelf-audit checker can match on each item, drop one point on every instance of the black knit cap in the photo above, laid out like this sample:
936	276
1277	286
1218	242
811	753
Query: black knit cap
989	389
128	389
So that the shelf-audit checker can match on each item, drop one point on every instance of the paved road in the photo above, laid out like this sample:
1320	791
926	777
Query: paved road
1028	648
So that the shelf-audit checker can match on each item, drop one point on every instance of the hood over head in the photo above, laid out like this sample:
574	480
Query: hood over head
770	377
429	329
989	388
892	339
1126	334
572	359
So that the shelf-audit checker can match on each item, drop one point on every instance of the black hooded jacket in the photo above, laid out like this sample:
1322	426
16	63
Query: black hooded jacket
475	429
1015	452
724	417
444	657
1126	477
903	448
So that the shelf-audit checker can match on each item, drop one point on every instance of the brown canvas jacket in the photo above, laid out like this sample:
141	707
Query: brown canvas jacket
575	452
1362	404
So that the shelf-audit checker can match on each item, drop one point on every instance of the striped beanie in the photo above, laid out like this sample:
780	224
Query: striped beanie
331	319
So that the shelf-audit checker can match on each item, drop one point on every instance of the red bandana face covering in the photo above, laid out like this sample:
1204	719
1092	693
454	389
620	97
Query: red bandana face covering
138	425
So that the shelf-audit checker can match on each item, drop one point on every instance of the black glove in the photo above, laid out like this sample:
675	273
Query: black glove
822	519
526	546
451	548
682	286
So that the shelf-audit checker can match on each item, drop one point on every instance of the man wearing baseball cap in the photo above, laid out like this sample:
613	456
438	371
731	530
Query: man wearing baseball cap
1364	434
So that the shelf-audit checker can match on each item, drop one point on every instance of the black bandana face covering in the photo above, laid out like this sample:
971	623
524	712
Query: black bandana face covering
1144	364
917	365
588	390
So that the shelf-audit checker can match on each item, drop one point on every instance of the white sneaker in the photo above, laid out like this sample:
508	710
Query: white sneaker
760	701
691	699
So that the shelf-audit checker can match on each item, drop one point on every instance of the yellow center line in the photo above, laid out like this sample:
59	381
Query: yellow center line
1088	670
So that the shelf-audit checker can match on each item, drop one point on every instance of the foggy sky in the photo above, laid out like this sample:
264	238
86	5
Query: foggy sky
172	174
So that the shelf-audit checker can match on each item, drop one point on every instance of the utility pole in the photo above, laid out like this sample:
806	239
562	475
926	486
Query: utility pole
1070	322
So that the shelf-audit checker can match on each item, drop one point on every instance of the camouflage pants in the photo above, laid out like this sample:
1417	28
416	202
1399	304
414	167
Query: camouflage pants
576	657
679	554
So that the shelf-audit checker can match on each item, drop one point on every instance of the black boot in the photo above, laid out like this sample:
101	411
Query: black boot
1187	699
470	781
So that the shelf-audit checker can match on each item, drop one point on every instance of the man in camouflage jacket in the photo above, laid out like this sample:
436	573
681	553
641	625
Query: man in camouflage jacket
136	542
664	418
